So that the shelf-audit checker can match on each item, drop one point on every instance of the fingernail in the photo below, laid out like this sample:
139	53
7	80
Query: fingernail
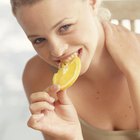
52	99
38	116
51	107
56	87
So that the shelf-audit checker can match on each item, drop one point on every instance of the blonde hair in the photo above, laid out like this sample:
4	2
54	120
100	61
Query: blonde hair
102	13
15	4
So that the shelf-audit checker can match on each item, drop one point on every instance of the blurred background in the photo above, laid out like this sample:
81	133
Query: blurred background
15	50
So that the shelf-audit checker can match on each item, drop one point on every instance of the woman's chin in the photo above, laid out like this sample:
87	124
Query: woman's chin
84	69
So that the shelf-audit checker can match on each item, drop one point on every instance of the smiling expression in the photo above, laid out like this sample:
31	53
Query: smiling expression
58	30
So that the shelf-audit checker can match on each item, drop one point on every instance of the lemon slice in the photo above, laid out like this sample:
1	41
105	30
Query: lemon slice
68	73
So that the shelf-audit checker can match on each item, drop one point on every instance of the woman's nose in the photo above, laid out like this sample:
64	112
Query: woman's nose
58	49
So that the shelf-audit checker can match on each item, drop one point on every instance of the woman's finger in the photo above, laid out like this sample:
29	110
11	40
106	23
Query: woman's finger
41	96
33	122
63	98
53	89
38	107
107	28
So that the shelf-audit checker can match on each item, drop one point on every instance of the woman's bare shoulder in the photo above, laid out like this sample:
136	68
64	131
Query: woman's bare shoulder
37	75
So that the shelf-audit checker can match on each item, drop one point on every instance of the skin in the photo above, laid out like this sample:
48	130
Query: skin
108	97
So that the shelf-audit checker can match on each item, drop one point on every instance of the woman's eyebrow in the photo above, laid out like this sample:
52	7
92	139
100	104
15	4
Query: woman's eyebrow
32	36
54	26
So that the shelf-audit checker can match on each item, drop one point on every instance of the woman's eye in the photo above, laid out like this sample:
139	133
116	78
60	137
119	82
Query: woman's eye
65	28
38	41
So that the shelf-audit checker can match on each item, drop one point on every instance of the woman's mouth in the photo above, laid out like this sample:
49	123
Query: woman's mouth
80	52
69	58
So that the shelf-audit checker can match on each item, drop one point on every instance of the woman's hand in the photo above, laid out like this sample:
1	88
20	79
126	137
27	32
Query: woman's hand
123	46
57	119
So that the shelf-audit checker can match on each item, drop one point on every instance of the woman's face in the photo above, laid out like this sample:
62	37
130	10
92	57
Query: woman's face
60	28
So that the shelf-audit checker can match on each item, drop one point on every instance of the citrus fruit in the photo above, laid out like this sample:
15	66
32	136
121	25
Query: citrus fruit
68	73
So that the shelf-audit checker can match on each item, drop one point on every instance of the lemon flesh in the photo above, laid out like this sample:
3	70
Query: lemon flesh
68	73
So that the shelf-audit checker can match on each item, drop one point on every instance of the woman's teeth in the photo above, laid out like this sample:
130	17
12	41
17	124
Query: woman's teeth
70	58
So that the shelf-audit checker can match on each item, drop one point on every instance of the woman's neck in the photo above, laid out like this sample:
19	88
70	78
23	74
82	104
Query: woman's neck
102	66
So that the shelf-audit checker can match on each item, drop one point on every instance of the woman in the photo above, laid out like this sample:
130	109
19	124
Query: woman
104	101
